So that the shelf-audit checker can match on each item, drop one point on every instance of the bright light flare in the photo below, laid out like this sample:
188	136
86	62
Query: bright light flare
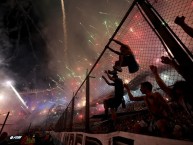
8	83
17	94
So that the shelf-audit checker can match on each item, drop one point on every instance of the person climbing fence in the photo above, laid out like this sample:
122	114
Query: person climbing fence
114	102
126	58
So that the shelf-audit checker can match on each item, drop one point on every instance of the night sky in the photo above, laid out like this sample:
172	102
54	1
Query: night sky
36	46
24	50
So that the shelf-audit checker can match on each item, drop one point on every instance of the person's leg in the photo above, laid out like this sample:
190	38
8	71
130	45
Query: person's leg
120	60
124	61
118	63
132	64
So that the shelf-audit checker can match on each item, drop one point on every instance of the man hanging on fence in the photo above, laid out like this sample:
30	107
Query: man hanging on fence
126	58
114	102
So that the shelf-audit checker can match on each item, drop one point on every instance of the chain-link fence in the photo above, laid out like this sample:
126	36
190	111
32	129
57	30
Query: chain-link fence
147	47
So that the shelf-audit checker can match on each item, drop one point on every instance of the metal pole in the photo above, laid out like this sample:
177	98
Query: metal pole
4	122
29	127
87	113
65	119
72	113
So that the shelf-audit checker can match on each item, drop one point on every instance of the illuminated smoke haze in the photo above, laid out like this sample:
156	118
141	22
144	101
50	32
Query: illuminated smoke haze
47	53
49	49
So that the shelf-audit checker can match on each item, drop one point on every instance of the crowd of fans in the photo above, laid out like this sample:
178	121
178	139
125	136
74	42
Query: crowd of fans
171	119
179	127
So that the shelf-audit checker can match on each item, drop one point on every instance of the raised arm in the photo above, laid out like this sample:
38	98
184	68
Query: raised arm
109	76
167	60
131	97
159	81
111	84
180	21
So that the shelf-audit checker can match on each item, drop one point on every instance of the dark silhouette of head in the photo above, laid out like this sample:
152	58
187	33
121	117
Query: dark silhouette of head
146	87
3	136
182	89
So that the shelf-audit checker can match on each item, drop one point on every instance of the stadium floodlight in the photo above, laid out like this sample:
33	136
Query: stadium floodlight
8	82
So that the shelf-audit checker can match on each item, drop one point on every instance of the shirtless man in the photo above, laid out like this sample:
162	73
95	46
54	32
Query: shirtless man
179	93
155	103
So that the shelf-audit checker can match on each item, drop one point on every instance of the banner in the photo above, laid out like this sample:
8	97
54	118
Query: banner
115	138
